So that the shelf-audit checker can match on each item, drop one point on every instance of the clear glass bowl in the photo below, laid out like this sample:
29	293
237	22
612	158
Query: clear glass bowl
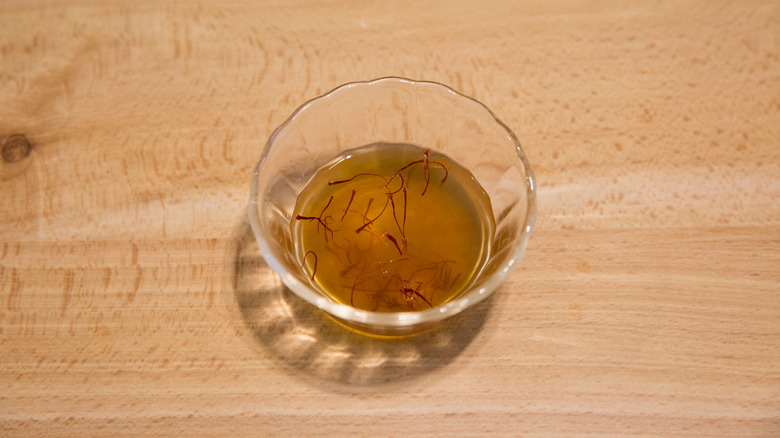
392	110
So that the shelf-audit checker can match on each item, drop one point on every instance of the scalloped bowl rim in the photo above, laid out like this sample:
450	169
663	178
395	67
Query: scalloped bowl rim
468	298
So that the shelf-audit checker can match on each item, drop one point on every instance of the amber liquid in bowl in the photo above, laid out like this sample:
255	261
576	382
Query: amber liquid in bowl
392	228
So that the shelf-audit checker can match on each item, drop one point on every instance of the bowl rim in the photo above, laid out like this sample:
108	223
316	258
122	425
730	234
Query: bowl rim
347	313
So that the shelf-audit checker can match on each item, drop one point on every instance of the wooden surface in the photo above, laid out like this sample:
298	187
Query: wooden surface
133	300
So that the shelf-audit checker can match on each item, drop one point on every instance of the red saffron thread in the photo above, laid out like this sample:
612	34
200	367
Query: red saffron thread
395	242
348	204
320	220
303	265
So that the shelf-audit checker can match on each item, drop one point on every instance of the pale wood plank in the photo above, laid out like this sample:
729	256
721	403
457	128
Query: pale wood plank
133	300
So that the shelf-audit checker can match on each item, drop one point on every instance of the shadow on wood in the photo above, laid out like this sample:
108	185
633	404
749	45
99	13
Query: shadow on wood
307	341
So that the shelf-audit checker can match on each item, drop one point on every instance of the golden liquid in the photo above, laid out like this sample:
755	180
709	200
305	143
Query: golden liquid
386	228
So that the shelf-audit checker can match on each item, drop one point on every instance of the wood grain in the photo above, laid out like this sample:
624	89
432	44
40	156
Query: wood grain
133	300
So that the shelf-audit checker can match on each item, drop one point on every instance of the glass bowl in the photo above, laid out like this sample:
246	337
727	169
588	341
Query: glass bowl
392	110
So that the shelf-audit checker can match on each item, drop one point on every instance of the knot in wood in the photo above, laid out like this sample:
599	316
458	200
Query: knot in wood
16	148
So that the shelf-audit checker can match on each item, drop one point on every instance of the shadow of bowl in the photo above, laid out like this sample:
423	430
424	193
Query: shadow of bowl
306	341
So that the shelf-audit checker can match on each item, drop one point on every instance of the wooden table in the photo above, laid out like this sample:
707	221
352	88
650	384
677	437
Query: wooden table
134	301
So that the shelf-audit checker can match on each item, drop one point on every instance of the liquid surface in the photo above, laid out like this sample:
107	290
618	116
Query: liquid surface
392	227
